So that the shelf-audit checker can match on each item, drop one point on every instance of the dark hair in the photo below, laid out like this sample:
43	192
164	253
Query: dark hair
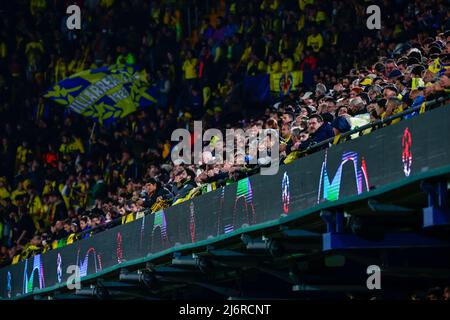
151	181
374	114
317	116
381	103
84	219
395	100
339	109
190	173
290	114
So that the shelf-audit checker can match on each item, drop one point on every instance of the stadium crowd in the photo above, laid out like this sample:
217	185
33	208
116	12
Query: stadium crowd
63	178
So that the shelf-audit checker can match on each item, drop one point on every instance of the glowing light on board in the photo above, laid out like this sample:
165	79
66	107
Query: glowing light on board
331	189
59	268
285	193
161	223
142	231
83	265
244	191
219	213
37	267
8	285
119	251
192	221
407	157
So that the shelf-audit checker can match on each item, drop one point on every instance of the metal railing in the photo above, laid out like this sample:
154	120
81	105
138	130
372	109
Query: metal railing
378	124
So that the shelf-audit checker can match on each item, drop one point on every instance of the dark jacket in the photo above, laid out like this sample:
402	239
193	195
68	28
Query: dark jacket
160	192
60	211
323	133
183	190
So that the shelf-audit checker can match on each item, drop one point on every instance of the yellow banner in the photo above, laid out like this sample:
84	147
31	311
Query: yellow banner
285	82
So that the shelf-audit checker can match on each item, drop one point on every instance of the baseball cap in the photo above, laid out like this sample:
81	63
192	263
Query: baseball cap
307	95
366	82
394	74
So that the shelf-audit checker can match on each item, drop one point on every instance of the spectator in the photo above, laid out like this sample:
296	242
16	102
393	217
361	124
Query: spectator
318	131
182	184
153	192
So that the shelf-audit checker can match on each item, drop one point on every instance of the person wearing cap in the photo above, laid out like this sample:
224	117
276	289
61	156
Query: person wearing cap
355	90
379	69
415	54
367	81
394	75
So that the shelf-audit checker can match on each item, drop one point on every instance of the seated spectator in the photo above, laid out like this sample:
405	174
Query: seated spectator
85	226
154	191
318	131
182	184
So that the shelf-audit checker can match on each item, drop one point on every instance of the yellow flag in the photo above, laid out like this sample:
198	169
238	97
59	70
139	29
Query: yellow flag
422	108
285	82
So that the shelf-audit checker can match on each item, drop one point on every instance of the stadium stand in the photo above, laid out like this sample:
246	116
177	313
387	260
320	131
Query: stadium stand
328	82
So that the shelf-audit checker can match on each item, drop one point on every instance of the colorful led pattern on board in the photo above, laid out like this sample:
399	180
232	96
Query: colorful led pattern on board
285	193
28	281
119	251
331	190
219	214
59	268
407	157
8	285
244	191
84	265
192	221
161	223
141	240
